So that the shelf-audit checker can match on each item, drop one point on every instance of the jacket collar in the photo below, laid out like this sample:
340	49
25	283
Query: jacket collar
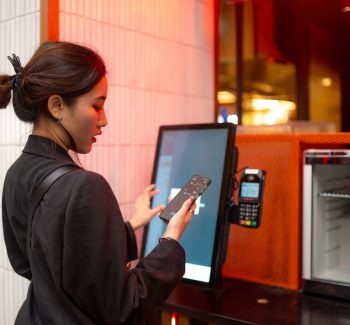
45	147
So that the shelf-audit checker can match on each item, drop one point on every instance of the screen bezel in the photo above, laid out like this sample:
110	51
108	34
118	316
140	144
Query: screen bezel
222	226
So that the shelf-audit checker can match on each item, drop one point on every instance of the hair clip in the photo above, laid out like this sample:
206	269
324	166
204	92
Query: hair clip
16	63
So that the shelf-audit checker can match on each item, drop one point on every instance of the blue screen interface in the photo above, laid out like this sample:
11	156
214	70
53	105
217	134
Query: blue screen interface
184	153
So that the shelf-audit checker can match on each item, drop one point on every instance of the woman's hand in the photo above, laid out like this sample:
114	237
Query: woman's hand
180	220
143	212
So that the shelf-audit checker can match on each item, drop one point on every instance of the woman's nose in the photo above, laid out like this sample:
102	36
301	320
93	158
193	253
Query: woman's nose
103	121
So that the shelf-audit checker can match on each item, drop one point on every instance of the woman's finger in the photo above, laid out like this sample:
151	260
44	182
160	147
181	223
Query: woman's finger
149	188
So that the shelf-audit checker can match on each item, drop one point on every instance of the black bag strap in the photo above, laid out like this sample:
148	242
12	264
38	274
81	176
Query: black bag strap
48	181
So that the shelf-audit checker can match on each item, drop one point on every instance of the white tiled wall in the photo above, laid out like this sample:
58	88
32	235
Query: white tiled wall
160	59
19	33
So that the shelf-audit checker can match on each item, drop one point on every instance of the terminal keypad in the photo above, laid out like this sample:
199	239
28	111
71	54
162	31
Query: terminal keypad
248	213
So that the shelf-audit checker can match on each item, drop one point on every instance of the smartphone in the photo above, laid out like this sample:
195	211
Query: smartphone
194	187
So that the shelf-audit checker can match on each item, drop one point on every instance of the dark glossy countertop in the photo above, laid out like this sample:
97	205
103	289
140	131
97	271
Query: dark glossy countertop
242	302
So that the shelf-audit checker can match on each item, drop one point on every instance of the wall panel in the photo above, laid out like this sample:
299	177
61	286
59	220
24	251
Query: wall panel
160	59
20	34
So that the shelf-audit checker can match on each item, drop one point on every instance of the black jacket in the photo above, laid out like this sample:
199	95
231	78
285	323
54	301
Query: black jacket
80	247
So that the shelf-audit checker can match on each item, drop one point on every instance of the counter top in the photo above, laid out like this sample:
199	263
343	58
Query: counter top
240	302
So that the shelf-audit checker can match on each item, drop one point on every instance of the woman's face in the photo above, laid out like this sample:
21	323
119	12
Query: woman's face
85	119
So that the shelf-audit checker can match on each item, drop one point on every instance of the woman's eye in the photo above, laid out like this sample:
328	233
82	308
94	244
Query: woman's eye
97	108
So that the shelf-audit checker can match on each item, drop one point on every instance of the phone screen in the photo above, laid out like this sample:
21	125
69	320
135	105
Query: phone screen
194	187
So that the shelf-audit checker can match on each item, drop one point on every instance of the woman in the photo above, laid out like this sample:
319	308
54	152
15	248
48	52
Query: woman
80	245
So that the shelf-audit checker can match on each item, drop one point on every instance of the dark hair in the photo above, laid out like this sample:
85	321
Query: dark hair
61	68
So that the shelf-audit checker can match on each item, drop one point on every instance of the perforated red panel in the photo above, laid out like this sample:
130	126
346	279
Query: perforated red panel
271	254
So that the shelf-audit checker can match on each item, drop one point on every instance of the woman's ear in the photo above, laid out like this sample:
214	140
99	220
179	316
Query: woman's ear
55	106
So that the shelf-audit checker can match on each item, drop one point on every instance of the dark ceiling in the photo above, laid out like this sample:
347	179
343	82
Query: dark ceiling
333	15
293	19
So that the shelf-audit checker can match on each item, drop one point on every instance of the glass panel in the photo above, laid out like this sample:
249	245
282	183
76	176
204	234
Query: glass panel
268	80
331	224
324	78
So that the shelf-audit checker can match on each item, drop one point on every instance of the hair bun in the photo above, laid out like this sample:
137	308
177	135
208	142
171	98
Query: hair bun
6	85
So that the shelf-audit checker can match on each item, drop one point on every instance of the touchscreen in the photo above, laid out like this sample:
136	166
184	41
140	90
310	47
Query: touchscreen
181	154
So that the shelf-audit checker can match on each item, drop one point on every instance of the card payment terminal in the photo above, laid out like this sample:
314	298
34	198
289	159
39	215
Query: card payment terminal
250	197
